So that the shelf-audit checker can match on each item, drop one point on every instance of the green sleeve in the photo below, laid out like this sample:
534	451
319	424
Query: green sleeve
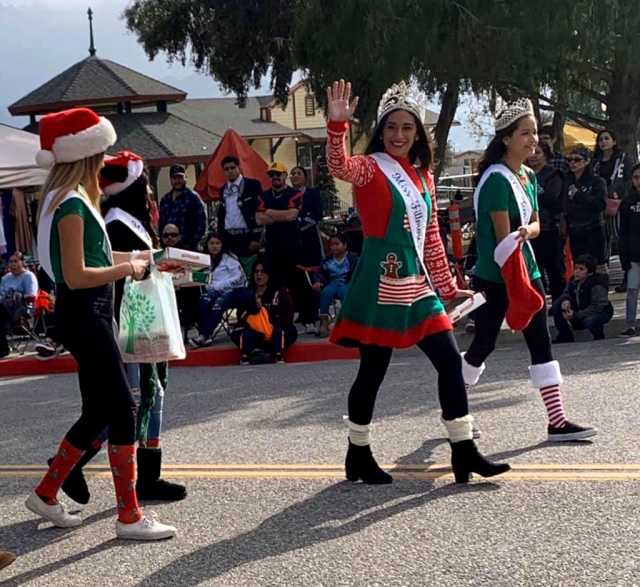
494	195
71	206
534	183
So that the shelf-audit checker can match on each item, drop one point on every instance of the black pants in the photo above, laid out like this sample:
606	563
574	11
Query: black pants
85	325
4	323
240	243
188	301
441	349
489	318
591	242
248	340
305	299
545	248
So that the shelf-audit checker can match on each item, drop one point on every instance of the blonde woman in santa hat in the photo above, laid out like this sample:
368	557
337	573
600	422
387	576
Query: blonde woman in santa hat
391	303
506	205
74	250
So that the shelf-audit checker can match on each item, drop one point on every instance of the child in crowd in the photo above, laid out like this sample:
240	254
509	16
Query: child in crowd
584	304
228	281
332	278
629	247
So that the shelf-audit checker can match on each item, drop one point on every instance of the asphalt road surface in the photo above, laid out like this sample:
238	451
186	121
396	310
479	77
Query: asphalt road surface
261	451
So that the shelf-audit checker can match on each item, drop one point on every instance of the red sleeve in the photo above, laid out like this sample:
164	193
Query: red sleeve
358	170
435	256
261	205
296	201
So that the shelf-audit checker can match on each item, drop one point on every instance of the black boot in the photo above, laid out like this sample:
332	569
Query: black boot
75	485
149	485
466	459
360	465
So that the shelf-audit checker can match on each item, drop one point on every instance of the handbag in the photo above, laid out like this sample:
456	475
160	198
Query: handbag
149	322
613	206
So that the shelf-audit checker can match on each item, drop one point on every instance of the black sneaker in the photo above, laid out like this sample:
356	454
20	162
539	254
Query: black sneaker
569	432
628	333
244	360
278	358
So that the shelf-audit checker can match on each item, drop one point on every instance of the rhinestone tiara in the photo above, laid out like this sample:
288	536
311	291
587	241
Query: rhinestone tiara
513	111
402	97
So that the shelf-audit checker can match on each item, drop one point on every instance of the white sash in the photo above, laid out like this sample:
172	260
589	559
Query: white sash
522	200
414	203
130	222
46	223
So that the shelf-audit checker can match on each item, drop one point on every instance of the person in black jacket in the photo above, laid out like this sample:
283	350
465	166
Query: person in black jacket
333	277
547	244
584	304
237	212
584	199
309	219
629	245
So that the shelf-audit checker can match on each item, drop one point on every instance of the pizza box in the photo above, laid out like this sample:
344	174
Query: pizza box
192	279
187	260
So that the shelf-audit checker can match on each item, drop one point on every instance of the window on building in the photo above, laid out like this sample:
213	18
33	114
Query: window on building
309	155
309	105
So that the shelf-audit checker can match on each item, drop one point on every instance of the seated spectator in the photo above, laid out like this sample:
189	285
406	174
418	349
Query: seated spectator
333	277
584	304
265	317
223	293
15	288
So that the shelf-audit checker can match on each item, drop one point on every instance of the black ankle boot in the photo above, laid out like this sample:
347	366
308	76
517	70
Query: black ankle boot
360	465
149	485
75	485
466	459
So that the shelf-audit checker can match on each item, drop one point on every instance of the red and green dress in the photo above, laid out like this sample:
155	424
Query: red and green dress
390	302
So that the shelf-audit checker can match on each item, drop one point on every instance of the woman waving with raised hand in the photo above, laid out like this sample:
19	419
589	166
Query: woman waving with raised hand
392	300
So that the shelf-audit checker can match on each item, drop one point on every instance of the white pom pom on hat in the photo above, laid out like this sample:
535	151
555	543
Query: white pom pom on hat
73	135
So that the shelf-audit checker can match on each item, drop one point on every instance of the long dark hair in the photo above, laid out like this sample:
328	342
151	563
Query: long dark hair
496	149
215	261
422	149
598	153
274	281
136	200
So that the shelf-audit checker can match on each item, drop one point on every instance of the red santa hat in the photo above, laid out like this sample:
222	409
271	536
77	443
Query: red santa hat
524	301
73	135
120	172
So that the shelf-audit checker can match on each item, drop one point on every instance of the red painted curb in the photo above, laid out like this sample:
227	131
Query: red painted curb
210	357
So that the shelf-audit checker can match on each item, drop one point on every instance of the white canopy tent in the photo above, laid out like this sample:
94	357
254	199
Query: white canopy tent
18	167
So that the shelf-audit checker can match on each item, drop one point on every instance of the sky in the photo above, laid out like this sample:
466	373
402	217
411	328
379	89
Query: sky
42	38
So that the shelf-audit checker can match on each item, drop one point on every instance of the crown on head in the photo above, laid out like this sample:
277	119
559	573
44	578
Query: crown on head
513	111
402	97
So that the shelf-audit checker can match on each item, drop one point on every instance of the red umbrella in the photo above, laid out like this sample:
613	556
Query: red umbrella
252	164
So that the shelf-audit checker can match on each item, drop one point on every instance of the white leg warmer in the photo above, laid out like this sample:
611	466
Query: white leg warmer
460	429
545	375
360	435
471	374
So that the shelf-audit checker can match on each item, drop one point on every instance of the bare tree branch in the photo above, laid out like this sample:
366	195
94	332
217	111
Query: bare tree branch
593	71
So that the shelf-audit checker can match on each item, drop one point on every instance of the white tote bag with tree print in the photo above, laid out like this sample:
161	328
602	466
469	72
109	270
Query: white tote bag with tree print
149	322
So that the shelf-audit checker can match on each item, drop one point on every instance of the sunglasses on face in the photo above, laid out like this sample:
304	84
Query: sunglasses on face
170	235
273	174
575	159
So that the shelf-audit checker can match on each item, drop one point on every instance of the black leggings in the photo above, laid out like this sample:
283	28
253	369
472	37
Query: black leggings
84	323
441	349
489	318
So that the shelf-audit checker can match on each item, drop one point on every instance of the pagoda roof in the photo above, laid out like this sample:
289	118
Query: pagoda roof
92	82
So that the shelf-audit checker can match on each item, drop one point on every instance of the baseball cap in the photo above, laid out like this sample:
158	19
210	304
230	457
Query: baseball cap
177	170
277	166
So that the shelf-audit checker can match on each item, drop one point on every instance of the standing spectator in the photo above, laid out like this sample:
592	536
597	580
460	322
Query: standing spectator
228	281
278	211
184	208
546	245
629	245
584	304
309	219
237	213
584	199
557	160
333	277
16	290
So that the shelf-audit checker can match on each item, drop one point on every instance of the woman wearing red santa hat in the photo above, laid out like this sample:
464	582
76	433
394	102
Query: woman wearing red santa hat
506	206
74	250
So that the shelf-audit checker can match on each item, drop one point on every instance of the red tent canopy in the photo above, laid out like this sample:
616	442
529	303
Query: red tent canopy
212	178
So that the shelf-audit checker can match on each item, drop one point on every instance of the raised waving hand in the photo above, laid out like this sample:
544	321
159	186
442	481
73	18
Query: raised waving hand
338	100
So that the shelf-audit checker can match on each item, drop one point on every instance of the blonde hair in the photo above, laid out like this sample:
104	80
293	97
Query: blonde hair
66	177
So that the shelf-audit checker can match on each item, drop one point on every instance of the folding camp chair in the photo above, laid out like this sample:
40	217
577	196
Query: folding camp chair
19	335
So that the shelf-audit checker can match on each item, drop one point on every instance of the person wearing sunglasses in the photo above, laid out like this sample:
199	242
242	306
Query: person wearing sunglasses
584	200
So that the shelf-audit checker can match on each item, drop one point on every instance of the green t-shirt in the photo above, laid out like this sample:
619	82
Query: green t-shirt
496	195
96	249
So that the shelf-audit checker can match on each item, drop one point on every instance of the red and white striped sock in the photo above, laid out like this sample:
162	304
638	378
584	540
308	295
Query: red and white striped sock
552	398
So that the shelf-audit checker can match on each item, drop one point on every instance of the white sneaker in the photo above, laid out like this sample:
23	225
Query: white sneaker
56	514
310	329
147	528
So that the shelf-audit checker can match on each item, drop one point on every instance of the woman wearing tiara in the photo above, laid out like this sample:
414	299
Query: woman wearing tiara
391	303
506	208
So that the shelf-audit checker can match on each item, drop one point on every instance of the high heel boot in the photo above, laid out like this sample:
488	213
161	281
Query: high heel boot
466	459
361	466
